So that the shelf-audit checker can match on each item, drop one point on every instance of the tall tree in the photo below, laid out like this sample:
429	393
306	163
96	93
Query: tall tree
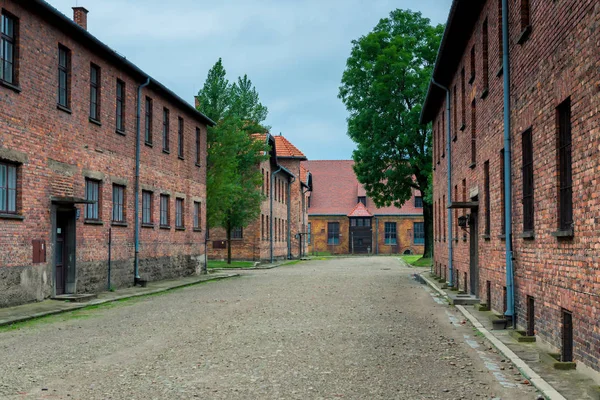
383	88
233	179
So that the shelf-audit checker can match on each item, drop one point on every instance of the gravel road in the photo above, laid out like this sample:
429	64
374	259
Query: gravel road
357	328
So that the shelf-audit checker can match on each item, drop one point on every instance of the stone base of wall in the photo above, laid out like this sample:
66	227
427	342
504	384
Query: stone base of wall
20	285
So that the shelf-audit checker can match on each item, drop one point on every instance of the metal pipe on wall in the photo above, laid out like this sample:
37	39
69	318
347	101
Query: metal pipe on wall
289	216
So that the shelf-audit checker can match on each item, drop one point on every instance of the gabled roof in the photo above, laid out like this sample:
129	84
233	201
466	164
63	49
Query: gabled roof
285	149
360	211
336	191
273	157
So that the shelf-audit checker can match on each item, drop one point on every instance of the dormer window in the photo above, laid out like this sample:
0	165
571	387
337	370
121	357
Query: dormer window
362	199
418	202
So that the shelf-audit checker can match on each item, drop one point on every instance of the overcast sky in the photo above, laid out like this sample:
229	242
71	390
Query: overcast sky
294	51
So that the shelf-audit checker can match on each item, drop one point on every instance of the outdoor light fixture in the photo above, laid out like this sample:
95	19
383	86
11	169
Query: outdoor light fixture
463	221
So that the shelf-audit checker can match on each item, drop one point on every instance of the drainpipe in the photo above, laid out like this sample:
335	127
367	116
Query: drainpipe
304	224
136	258
376	235
289	215
510	293
271	211
449	173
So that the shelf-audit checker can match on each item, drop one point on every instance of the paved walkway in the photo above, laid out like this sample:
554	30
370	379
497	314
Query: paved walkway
534	359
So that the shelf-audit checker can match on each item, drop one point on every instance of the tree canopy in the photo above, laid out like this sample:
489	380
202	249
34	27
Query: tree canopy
383	88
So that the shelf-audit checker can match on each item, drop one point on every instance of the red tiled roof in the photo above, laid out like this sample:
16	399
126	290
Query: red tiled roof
360	211
336	190
287	149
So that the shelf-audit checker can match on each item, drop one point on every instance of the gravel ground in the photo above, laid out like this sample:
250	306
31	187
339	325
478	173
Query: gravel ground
357	328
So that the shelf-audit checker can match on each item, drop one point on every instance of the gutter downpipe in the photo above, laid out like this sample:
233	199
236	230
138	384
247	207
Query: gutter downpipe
289	216
136	258
510	293
271	211
449	173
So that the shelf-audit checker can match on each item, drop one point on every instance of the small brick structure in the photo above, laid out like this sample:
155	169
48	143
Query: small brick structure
554	66
58	150
337	199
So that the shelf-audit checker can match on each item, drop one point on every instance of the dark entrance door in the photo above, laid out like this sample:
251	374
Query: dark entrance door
60	253
360	235
474	253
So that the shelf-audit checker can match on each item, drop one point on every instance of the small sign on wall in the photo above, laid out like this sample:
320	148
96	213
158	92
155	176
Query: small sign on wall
39	251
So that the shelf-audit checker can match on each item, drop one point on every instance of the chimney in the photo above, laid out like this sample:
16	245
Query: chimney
80	16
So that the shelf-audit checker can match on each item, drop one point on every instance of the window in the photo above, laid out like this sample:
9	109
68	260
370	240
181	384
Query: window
179	216
444	205
268	185
565	201
308	233
333	233
486	190
166	130
92	192
527	155
164	210
64	76
363	200
419	229
443	131
500	33
180	138
237	233
472	78
262	226
148	132
263	181
484	55
120	106
95	92
8	188
390	233
308	199
473	134
198	150
418	202
525	14
146	207
502	203
455	114
197	215
118	211
463	96
8	49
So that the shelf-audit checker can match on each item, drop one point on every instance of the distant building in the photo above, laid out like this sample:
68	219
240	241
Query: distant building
279	233
342	219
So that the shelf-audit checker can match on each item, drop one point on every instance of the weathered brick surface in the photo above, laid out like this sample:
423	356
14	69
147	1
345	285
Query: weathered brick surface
57	150
560	59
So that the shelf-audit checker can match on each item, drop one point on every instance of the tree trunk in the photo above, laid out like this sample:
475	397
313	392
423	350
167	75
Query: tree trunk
228	229
428	226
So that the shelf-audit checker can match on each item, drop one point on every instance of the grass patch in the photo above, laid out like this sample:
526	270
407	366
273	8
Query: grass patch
322	253
294	262
234	264
417	260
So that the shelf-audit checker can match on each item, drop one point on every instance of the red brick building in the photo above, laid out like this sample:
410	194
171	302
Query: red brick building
344	220
550	156
68	128
281	230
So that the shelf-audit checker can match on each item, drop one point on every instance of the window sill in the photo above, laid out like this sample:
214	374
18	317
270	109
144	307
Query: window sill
198	165
564	234
10	86
527	235
473	165
63	108
180	157
237	239
165	227
500	71
93	222
120	132
485	93
166	151
462	127
149	144
472	79
524	35
151	226
180	228
11	216
95	121
199	230
486	237
119	223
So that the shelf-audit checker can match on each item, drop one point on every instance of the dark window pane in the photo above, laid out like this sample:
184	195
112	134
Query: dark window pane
419	232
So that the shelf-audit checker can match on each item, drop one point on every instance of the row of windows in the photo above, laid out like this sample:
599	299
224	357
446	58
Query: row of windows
93	211
390	236
564	183
280	187
8	61
279	228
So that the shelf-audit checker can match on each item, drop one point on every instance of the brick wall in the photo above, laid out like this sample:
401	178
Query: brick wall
559	59
57	149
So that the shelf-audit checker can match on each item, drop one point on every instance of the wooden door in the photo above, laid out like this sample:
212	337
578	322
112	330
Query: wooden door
474	252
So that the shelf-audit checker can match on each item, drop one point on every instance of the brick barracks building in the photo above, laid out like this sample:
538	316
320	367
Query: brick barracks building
344	220
280	233
522	178
68	131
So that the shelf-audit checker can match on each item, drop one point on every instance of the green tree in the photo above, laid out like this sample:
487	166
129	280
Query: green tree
233	178
383	88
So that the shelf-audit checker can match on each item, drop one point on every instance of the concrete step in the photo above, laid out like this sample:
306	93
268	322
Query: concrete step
76	298
462	299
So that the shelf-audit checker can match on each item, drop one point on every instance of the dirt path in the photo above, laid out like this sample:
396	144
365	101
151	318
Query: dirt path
357	328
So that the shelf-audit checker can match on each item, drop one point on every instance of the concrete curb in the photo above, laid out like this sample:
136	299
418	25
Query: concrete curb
78	306
245	269
544	387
